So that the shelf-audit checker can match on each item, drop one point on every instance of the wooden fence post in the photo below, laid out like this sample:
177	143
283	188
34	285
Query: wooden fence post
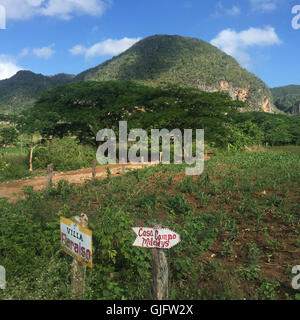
160	273
78	269
123	165
94	169
22	143
49	175
30	157
143	161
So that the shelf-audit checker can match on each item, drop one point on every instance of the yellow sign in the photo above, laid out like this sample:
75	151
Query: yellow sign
76	241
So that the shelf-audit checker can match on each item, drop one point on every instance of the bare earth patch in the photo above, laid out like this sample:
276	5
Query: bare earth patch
12	190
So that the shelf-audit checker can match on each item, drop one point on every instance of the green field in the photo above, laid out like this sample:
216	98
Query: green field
65	154
238	221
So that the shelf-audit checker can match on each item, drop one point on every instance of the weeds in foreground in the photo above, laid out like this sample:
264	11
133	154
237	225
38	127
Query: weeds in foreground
231	234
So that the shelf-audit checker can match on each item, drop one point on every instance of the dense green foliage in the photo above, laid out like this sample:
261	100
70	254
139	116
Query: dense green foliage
13	166
287	98
183	61
82	109
79	110
8	135
267	128
65	154
231	220
21	90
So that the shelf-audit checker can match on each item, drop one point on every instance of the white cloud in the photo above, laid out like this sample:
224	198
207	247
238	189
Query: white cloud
44	52
234	11
236	43
107	47
35	3
221	10
18	9
264	5
24	52
64	9
8	67
95	29
78	49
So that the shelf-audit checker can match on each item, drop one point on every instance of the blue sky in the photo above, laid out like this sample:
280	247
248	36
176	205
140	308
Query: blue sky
54	36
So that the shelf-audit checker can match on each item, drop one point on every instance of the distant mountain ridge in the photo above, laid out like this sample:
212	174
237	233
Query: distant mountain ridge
22	89
287	98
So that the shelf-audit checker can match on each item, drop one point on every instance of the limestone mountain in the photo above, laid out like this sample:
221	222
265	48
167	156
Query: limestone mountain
187	62
22	89
287	98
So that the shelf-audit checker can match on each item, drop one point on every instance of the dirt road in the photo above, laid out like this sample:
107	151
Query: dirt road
12	189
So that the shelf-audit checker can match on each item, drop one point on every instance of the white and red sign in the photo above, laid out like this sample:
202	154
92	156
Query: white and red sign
76	241
155	238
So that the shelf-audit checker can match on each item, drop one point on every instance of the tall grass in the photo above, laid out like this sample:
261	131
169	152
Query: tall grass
13	166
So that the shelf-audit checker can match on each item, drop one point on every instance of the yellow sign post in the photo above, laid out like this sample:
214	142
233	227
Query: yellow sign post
76	241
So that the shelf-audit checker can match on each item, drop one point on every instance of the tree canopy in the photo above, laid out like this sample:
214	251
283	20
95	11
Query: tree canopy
81	109
84	108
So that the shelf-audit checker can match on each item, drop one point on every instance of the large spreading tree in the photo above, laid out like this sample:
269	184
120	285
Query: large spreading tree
81	109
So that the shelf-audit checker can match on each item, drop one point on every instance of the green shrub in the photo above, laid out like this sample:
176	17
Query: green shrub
253	253
13	166
65	154
179	204
8	135
269	289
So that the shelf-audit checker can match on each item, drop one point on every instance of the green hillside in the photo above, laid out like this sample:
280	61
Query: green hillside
187	62
287	98
157	60
21	90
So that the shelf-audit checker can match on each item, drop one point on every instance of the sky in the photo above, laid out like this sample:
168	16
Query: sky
70	36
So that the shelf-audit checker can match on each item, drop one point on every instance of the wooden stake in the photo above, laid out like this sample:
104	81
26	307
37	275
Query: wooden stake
21	143
94	169
30	157
78	269
49	176
123	165
159	273
143	166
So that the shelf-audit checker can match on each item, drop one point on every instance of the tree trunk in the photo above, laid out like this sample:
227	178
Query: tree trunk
30	157
21	143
